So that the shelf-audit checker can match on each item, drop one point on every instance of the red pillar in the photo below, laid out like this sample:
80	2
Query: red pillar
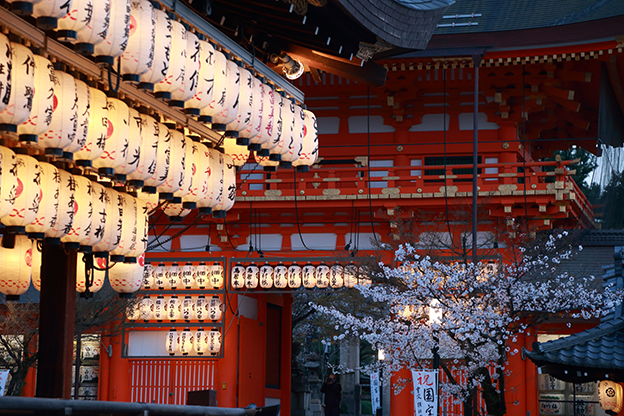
402	403
105	371
30	383
286	354
516	383
227	367
119	378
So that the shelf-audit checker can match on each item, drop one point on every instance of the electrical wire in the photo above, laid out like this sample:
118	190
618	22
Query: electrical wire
446	207
297	209
368	157
524	152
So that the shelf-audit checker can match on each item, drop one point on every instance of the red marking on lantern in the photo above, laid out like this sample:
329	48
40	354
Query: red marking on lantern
54	103
28	257
20	188
110	130
133	25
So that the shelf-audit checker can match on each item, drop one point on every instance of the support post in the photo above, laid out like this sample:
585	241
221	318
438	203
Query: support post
476	59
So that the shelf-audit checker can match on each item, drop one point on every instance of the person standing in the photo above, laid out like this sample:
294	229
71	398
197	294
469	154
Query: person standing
333	392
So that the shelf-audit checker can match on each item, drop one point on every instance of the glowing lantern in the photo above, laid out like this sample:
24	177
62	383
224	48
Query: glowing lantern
174	276
128	220
27	194
22	89
42	103
187	308
114	222
160	276
48	207
142	229
175	176
308	276
126	278
214	194
265	162
205	81
294	276
251	276
83	211
266	276
228	113
145	306
138	56
64	124
187	90
177	62
175	211
268	114
322	276
148	155
16	266
276	142
280	276
238	153
187	275
173	308
229	188
610	396
96	30
172	342
148	276
220	85
99	204
118	130
159	308
132	147
363	275
8	180
350	275
82	124
335	276
200	176
186	342
238	276
97	129
216	276
202	272
214	341
151	200
309	150
78	17
188	165
201	341
201	308
215	307
116	38
163	158
47	12
245	106
162	47
133	312
293	139
5	78
252	131
36	267
67	206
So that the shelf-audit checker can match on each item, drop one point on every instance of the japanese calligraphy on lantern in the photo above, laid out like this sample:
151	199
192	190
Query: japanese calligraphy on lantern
425	393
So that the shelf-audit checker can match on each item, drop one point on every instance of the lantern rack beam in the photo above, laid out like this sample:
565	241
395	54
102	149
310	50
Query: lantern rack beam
181	291
178	324
154	260
299	291
320	259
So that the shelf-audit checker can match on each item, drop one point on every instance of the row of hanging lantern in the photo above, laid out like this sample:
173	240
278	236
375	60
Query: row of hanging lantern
200	341
294	276
189	308
187	276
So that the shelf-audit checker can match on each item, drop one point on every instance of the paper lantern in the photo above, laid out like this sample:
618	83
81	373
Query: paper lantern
173	274
251	276
114	222
133	313
188	88
16	266
159	308
145	306
229	188
97	130
83	212
97	277
268	120
5	76
99	205
35	274
64	124
215	307
96	30
127	237
163	159
245	106
148	155
610	396
22	88
42	103
142	229
132	147
293	140
186	342
118	131
27	195
82	125
138	56
47	12
200	176
187	275
202	275
214	195
252	131
160	276
201	308
201	341
177	62
116	38
264	161
205	80
8	180
48	206
173	308
308	274
172	342
216	276
214	342
188	164
294	276
162	48
335	276
175	211
238	276
309	150
266	276
148	276
238	153
175	175
228	113
126	277
78	17
322	276
67	206
275	142
220	85
280	276
364	275
350	275
186	310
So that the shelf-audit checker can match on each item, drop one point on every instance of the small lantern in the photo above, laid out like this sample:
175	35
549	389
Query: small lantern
162	47
238	276
16	266
363	275
335	276
214	194
116	38
188	275
205	82
160	308
173	308
229	188
216	276
188	164
118	130
245	107
48	205
132	147
97	277
8	180
220	85
145	306
186	342
5	77
83	92
610	396
133	313
138	56
163	158
280	276
187	308
251	276
266	276
126	277
294	276
174	277
97	129
47	12
64	123
96	30
309	150
350	275
177	61
187	90
201	341
21	87
215	307
42	103
66	202
83	213
128	220
160	276
214	341
27	194
175	175
322	276
228	113
172	342
200	176
202	273
201	308
78	17
148	276
148	154
308	274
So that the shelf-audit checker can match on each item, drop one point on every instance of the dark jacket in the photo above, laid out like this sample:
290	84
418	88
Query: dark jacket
333	394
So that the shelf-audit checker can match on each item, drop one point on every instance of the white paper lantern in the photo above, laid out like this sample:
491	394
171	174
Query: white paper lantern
162	48
293	141
96	279
145	306
114	222
309	150
201	341
186	342
214	342
16	266
266	163
64	124
276	142
214	194
142	229
173	276
78	17
350	275
82	125
163	159
118	131
322	276
42	108
48	204
202	275
175	175
176	211
83	213
97	130
96	30
5	76
238	153
127	239
610	396
173	308
35	274
67	206
172	342
251	276
229	188
188	164
215	307
216	276
245	106
160	276
308	274
268	118
27	194
280	276
252	131
116	38
238	276
220	85
177	62
132	147
133	313
159	308
148	276
364	275
335	276
148	156
47	12
187	90
138	56
126	277
186	310
266	276
294	276
201	175
201	308
187	275
230	108
99	205
22	88
8	180
205	80
295	151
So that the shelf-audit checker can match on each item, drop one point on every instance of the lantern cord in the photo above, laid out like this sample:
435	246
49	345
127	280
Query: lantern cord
110	81
524	152
348	245
297	210
176	235
446	207
227	233
368	158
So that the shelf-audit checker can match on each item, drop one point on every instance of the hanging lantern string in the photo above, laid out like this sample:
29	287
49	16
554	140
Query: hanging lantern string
176	235
297	210
110	81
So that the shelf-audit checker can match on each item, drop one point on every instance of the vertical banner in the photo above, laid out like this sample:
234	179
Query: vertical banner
425	393
375	391
4	376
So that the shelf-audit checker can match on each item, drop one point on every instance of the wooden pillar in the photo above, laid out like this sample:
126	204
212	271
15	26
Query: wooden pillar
105	370
119	385
227	367
56	321
286	354
402	403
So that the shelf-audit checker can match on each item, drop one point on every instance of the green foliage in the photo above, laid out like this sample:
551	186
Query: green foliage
584	168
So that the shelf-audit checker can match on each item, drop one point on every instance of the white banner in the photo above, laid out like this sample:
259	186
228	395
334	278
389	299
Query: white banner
4	376
425	393
375	391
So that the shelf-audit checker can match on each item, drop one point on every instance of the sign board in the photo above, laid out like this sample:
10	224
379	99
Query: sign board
375	391
425	392
4	376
